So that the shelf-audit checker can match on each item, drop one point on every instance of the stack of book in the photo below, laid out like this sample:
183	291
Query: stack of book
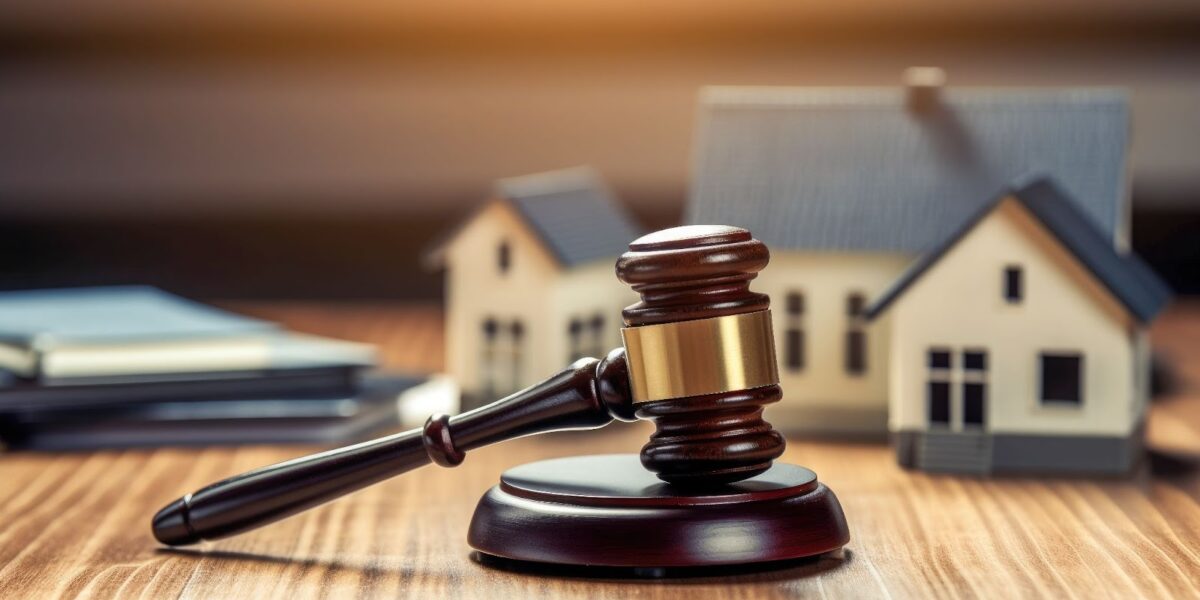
136	366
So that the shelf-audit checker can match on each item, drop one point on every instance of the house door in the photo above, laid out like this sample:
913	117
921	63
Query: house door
966	409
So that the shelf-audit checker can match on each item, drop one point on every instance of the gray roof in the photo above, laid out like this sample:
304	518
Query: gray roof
1129	280
573	212
856	169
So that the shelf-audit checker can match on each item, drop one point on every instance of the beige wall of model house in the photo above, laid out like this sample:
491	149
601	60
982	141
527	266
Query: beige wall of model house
526	294
820	392
960	304
477	289
591	297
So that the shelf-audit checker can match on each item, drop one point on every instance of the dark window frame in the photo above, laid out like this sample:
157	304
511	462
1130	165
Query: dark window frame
491	329
596	327
794	335
516	330
974	407
974	388
856	352
939	352
939	390
1014	284
856	305
974	360
855	344
504	257
575	328
938	402
793	345
794	303
1066	389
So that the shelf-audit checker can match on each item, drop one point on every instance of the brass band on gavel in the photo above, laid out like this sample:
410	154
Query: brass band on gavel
704	356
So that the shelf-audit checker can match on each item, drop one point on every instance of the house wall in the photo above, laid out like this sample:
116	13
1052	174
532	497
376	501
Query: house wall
583	293
959	304
822	396
476	290
1142	360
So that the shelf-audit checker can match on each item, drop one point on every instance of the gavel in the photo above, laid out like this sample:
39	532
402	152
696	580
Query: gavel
698	361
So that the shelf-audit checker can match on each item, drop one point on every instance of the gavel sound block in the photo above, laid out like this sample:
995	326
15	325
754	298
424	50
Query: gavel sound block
698	361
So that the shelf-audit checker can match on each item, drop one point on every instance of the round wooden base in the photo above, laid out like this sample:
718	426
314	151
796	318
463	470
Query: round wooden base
608	511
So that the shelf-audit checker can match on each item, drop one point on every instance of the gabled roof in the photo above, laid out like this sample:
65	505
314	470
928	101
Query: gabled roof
571	211
862	169
1129	280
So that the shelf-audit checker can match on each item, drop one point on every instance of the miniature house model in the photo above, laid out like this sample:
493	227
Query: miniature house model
923	283
529	281
1018	343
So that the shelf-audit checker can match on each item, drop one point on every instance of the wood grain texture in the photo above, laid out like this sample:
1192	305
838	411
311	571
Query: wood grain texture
77	525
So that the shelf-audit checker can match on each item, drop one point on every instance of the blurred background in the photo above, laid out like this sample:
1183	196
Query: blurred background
311	150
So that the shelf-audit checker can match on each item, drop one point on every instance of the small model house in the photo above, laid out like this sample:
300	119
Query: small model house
1018	344
529	281
1026	328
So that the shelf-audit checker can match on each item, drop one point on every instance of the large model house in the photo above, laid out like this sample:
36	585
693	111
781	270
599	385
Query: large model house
529	281
850	186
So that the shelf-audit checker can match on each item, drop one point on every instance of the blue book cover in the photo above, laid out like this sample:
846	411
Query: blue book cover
42	319
120	331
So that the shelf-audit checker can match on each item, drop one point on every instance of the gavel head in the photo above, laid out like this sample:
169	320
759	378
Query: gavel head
700	353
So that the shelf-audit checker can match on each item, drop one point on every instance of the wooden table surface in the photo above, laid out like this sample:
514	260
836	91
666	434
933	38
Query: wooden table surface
78	524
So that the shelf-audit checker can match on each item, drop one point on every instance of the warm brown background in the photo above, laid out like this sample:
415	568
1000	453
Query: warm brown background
272	148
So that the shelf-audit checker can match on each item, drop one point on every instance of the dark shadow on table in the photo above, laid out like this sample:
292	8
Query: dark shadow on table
745	574
768	572
365	568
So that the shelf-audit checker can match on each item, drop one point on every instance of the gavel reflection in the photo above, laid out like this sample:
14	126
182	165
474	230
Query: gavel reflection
698	361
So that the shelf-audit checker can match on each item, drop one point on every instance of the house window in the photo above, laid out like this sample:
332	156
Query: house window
487	367
856	336
795	304
975	360
793	335
856	353
597	327
503	257
855	305
794	349
1013	280
575	334
939	359
1062	379
974	387
517	330
939	403
938	387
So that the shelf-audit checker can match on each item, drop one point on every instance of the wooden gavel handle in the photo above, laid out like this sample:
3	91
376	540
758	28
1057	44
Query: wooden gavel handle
588	394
